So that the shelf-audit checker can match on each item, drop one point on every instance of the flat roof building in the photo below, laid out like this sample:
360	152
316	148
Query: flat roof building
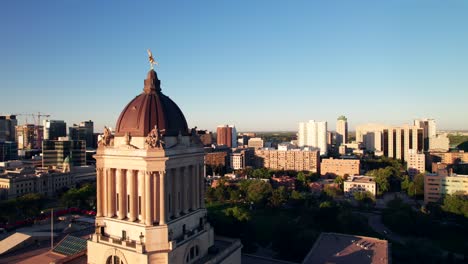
359	184
416	163
436	185
340	167
306	159
255	143
348	249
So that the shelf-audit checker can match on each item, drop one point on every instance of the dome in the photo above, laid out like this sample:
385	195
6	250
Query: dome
149	109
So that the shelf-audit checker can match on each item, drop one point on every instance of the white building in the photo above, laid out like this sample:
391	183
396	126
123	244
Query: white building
359	184
313	134
439	143
237	161
255	142
341	130
371	136
429	129
416	162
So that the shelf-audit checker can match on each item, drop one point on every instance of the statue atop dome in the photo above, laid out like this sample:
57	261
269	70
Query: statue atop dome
154	139
151	59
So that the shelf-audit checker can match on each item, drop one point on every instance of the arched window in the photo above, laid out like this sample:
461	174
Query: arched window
113	260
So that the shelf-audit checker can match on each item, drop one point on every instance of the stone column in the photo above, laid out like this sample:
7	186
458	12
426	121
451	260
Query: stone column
155	197
141	196
202	186
196	186
183	184
99	192
175	195
162	198
121	178
193	197
148	200
133	194
109	192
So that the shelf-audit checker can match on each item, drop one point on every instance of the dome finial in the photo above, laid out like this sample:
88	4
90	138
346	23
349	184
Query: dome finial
151	59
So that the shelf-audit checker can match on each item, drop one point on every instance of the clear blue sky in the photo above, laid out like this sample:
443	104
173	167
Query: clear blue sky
261	65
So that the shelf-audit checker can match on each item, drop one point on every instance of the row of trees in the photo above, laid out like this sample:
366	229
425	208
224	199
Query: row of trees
26	206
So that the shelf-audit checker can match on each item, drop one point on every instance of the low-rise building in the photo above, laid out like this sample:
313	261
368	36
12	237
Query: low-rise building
359	184
340	167
286	181
306	159
255	143
439	143
436	185
344	248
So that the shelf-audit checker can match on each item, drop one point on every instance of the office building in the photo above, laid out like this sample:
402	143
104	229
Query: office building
29	136
83	131
436	185
371	136
429	130
255	142
397	141
313	134
306	159
341	131
53	129
439	143
54	152
340	167
8	150
241	158
416	163
226	135
16	183
150	189
206	137
359	184
7	127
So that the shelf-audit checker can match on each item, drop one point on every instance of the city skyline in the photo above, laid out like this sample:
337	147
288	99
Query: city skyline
266	66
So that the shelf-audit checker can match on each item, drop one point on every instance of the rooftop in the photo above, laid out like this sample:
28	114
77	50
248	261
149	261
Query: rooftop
363	179
343	248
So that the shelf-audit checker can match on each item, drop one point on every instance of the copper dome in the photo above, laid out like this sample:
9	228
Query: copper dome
151	108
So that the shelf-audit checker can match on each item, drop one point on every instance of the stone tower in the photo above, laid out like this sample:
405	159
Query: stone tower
150	188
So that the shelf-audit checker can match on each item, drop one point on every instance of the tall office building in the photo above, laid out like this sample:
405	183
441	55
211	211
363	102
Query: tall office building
313	134
429	130
54	152
83	131
53	129
226	135
150	189
7	127
8	150
371	136
29	136
341	130
398	141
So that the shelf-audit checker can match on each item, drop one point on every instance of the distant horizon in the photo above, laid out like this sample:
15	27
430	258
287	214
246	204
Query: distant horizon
260	65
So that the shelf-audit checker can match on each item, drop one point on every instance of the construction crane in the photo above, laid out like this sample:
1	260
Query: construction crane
36	117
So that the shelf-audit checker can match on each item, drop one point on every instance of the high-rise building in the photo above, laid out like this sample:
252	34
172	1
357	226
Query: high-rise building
150	189
7	127
429	130
53	129
306	159
83	131
341	130
54	152
29	136
313	134
226	135
416	162
398	141
371	136
340	167
8	150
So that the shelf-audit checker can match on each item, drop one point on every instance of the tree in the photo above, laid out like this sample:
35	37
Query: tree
456	203
259	192
278	197
238	213
365	199
331	191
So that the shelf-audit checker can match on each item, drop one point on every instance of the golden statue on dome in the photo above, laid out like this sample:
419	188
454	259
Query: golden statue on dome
151	59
